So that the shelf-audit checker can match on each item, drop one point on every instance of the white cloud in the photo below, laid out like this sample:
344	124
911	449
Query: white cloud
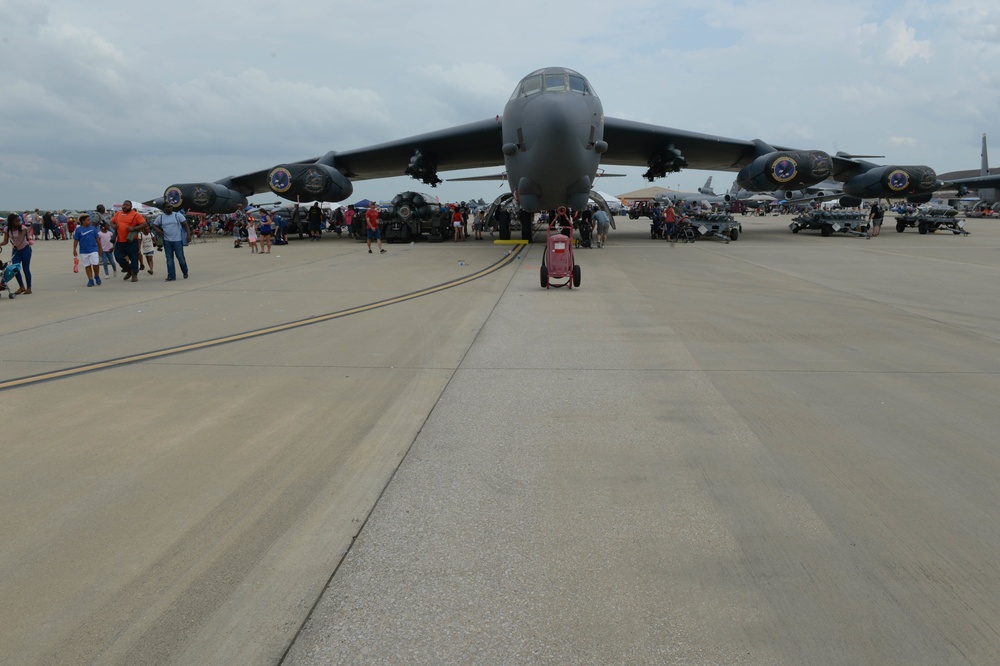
903	45
902	141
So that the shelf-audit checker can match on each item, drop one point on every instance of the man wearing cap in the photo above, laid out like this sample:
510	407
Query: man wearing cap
174	229
127	251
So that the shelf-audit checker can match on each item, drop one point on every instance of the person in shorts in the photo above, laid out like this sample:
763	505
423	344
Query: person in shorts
315	219
603	223
87	249
876	214
265	230
371	224
479	224
456	223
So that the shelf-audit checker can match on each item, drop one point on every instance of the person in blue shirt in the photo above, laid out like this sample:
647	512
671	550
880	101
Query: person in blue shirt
174	228
280	224
87	249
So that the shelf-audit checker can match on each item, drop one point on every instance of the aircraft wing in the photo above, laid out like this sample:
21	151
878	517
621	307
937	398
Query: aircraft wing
503	176
632	143
976	182
466	146
492	176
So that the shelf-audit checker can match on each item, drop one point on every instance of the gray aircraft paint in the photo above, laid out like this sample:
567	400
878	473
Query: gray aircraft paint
551	139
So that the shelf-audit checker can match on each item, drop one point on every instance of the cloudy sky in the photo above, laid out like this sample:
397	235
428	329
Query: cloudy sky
102	101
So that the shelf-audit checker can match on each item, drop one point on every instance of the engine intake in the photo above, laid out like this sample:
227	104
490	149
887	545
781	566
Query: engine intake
203	197
892	182
785	169
309	182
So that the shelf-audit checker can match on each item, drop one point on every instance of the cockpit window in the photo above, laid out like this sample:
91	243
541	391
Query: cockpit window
552	82
555	83
531	86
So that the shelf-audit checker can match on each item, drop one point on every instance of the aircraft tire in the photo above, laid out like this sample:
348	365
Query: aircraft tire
504	227
543	274
527	228
576	275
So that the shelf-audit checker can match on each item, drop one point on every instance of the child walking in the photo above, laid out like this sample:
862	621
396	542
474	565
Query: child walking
105	239
146	248
252	235
85	240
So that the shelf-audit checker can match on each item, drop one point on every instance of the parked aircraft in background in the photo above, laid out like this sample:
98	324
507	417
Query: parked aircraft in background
987	194
828	190
704	195
551	140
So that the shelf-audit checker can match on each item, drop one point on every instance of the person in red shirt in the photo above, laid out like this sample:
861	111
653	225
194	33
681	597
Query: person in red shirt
669	222
349	221
456	222
127	251
371	223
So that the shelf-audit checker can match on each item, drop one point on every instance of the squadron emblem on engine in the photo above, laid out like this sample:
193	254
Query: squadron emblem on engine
202	196
898	180
784	169
314	181
174	196
279	179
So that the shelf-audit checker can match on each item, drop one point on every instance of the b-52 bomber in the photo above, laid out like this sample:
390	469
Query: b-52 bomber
551	140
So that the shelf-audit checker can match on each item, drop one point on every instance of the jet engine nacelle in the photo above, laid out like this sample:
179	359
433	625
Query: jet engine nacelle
892	182
203	197
785	169
309	182
849	202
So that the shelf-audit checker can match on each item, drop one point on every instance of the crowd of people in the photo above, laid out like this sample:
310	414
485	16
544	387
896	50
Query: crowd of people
125	242
106	244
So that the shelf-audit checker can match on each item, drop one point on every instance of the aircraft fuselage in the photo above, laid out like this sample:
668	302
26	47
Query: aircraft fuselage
553	137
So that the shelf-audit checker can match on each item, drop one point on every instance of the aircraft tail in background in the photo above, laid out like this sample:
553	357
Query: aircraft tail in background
986	194
707	188
984	170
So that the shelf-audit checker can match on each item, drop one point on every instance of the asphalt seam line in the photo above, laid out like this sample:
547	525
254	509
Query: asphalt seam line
214	342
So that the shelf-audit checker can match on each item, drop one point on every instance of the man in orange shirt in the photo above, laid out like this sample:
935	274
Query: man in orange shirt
127	251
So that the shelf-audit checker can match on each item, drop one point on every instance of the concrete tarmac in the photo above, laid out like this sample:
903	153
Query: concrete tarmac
781	450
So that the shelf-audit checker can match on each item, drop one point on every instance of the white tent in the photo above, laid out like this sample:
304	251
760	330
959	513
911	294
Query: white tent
614	203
